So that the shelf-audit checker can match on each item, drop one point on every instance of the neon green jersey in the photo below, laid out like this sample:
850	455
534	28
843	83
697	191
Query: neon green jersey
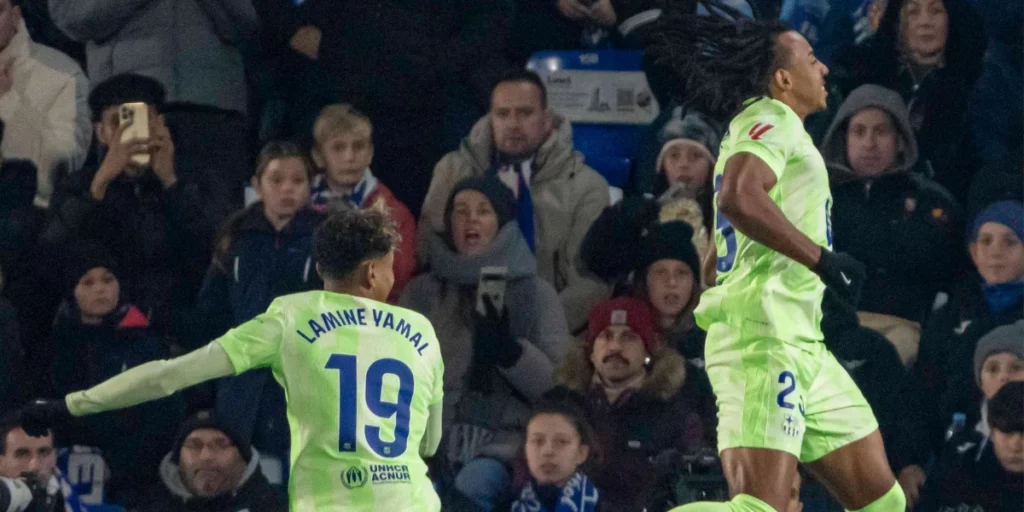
359	377
759	291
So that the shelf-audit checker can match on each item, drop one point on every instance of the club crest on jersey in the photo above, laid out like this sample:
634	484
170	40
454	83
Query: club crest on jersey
354	477
758	130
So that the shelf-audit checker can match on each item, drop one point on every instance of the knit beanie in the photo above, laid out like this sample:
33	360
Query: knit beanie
695	130
501	198
1008	213
81	259
628	311
1008	338
206	419
668	241
1006	408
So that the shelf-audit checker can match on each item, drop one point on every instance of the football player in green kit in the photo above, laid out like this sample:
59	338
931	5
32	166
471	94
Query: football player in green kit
782	397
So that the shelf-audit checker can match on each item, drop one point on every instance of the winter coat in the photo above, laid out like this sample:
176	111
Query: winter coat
253	493
567	197
260	265
447	297
46	112
132	438
664	414
942	381
969	477
190	46
405	253
160	237
903	227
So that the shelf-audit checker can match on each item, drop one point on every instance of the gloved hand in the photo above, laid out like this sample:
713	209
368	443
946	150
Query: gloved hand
40	415
842	274
492	341
15	495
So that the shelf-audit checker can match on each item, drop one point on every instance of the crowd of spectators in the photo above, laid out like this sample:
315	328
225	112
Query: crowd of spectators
584	387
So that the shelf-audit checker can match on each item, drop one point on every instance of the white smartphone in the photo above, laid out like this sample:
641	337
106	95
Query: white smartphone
493	281
137	114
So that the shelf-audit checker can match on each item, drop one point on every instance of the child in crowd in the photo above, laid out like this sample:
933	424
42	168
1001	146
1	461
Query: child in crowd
264	251
558	441
344	149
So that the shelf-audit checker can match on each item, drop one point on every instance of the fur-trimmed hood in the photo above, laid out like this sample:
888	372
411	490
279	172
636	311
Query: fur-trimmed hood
664	380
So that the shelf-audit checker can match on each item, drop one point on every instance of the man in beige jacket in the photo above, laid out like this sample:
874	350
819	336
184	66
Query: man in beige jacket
42	102
530	150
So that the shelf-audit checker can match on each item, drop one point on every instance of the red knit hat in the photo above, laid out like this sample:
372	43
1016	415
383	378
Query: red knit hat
628	311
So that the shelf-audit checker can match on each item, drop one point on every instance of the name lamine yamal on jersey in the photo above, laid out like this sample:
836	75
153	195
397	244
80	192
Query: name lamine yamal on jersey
330	320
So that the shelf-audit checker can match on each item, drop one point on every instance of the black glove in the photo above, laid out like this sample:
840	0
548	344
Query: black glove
39	415
841	273
492	342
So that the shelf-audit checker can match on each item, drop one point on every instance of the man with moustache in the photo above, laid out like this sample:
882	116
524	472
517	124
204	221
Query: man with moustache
211	470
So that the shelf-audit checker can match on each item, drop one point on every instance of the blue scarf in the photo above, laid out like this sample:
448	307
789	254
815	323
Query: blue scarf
578	495
524	201
1003	296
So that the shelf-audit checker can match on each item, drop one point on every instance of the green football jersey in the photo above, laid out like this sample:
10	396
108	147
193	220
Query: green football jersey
359	377
759	291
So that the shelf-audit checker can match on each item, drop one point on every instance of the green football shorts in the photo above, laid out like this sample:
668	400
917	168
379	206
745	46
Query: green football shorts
783	396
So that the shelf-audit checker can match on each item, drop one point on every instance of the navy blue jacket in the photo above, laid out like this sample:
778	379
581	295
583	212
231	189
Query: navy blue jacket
260	265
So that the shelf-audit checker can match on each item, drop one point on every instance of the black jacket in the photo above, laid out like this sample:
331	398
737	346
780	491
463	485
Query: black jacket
160	238
970	477
12	359
942	381
253	494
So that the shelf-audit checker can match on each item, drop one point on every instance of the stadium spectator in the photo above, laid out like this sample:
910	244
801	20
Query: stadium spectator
557	196
903	227
498	363
996	123
22	455
344	149
635	397
941	381
159	225
43	102
212	469
99	334
263	252
558	444
400	63
983	471
192	48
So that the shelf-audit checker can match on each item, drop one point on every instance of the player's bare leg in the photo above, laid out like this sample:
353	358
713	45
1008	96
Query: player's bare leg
858	475
764	474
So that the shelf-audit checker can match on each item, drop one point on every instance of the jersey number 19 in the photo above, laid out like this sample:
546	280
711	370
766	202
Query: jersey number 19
374	379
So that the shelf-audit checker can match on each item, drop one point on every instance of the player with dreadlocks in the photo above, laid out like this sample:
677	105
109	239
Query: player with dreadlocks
783	399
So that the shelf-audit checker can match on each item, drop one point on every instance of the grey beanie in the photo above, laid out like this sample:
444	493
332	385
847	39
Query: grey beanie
1008	338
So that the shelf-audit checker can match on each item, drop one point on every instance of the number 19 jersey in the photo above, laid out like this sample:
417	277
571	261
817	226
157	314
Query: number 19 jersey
359	377
759	292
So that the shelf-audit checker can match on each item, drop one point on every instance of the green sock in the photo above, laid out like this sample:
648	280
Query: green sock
892	501
739	503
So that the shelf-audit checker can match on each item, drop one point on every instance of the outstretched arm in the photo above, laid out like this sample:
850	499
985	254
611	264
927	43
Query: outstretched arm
153	380
743	199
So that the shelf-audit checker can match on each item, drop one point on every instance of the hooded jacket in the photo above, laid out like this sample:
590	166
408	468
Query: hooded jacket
446	296
664	414
968	476
253	493
189	46
46	111
567	195
87	355
905	228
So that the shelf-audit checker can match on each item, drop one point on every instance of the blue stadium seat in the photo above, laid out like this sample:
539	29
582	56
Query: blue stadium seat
605	95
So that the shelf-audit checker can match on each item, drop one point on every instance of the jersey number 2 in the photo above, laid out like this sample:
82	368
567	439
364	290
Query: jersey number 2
726	261
374	381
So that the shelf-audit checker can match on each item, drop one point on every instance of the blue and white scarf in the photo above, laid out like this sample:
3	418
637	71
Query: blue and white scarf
578	495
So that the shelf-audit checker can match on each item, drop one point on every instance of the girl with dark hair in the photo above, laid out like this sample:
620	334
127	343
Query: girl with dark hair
558	444
263	252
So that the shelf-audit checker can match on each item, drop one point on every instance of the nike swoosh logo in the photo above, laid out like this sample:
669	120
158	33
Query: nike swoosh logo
846	280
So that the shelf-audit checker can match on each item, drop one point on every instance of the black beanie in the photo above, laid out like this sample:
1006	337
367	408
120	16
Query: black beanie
501	198
206	419
1006	408
82	258
668	241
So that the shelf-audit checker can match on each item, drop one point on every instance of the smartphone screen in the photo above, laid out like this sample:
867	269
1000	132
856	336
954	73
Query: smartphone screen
137	115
